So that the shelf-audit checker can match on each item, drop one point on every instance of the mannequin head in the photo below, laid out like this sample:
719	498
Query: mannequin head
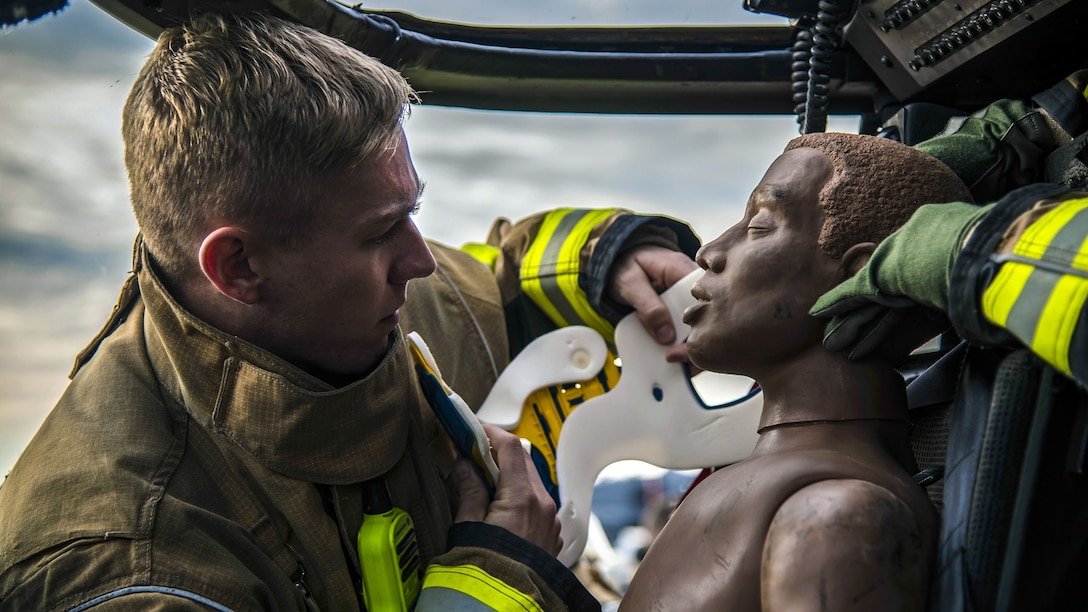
877	185
812	221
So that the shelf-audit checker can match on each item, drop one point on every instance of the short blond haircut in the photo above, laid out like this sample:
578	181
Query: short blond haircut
245	119
877	186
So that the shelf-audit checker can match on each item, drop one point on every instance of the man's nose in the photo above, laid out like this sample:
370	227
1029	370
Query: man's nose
417	261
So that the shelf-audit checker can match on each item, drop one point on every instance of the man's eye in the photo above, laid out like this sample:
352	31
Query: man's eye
396	226
388	235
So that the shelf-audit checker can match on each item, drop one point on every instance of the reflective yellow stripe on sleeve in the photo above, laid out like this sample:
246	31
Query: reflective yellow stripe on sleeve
1040	304
549	271
1037	242
1001	295
1059	318
481	586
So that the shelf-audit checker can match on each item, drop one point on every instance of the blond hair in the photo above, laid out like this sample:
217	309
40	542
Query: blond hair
877	186
244	119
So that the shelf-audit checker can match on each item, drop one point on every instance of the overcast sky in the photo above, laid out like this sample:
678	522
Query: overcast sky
66	228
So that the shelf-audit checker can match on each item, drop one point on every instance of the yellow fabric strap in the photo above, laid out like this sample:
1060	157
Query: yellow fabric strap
483	253
1018	283
479	585
549	272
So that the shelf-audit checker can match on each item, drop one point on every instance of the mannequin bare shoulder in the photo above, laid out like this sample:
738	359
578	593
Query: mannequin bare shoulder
852	543
784	506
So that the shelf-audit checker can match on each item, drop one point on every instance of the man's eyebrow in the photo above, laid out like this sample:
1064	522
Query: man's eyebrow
396	212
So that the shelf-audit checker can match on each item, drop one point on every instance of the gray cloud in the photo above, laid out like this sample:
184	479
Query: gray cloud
480	164
80	38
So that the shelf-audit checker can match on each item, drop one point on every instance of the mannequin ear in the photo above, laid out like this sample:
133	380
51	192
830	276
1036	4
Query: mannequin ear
225	262
855	258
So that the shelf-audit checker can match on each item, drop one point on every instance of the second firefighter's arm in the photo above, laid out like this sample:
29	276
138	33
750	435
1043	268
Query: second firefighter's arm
557	268
1023	277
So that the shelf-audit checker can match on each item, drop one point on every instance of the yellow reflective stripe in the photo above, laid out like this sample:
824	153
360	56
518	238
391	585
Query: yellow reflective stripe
1002	294
1058	321
1041	306
1054	332
999	298
549	271
572	250
483	253
531	284
479	585
1036	239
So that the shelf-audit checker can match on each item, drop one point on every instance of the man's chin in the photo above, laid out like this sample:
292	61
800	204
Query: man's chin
348	370
375	355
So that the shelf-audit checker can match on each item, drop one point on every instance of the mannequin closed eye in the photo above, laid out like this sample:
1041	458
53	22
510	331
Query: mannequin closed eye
762	222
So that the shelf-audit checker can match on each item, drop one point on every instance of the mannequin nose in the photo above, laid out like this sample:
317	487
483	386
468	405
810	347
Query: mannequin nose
711	256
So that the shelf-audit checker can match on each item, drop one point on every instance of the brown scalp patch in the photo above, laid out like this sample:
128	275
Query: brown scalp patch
877	185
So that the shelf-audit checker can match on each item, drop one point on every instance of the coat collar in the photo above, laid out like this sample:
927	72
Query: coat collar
291	422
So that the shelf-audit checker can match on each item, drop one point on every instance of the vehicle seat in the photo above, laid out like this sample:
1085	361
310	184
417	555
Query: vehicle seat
1012	436
929	396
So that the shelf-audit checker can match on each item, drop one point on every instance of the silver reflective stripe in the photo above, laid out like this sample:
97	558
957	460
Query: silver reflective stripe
150	589
1042	264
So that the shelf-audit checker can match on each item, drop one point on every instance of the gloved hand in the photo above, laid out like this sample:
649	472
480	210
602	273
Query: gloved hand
904	282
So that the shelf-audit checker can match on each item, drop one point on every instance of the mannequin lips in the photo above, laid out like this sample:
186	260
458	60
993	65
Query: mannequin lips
691	313
699	293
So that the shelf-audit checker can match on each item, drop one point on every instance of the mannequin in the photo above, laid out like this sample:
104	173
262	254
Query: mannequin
824	515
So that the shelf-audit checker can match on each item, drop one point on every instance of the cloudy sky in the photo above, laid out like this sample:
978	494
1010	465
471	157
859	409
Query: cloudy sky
66	229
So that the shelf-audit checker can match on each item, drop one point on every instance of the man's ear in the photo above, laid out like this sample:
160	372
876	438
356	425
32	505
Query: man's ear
225	262
855	258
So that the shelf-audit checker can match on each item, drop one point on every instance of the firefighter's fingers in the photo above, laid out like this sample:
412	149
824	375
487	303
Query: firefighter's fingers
639	276
522	505
472	491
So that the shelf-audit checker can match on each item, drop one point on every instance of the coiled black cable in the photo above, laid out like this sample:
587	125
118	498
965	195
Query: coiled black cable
825	40
799	67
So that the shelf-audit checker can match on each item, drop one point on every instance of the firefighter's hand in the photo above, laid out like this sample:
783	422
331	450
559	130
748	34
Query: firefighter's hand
898	296
522	505
640	275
